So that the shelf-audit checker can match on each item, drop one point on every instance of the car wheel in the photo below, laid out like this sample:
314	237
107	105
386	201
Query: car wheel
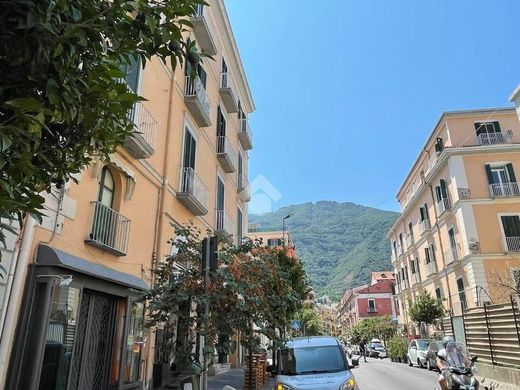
409	361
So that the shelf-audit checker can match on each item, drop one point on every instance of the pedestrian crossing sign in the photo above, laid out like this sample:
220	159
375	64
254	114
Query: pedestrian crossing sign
296	324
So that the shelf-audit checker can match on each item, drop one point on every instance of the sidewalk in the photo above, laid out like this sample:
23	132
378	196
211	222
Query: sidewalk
235	379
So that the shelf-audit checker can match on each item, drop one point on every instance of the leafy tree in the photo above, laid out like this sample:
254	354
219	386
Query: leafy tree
61	99
426	309
374	327
312	324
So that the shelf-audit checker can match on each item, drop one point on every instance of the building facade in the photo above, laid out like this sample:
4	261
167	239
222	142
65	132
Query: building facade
74	318
373	300
458	235
329	317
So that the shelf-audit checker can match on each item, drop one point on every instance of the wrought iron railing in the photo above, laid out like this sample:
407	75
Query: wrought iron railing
193	185
415	278
409	240
424	225
194	87
504	190
224	222
145	123
224	147
513	244
443	205
492	138
451	255
431	268
109	228
227	81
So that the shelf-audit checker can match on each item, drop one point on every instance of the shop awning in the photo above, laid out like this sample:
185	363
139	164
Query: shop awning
54	257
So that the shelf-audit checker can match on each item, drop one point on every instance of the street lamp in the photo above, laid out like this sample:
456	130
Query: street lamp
283	228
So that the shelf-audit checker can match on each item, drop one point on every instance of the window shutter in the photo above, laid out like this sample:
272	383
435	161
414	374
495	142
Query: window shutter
427	216
438	193
421	211
511	172
496	125
427	255
202	75
480	128
444	192
488	172
432	249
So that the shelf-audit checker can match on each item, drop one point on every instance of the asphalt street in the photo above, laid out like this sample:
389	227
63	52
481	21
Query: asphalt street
378	374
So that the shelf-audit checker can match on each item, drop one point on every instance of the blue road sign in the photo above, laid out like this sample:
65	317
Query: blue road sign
296	324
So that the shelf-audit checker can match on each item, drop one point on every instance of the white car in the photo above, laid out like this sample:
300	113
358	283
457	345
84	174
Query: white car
313	363
417	352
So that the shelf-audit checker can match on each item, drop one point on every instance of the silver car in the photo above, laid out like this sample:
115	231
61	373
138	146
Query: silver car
313	363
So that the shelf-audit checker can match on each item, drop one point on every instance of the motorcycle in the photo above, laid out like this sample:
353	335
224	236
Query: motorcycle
460	371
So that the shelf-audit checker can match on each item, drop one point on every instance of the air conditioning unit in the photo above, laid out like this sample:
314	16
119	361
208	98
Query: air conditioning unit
464	193
509	134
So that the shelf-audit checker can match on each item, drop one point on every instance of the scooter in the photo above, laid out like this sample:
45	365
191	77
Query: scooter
460	374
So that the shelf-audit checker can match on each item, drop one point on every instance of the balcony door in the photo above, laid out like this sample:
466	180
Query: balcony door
220	203
224	74
240	171
487	127
104	223
188	161
502	180
511	229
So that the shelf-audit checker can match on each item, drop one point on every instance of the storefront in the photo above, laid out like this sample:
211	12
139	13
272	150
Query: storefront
80	327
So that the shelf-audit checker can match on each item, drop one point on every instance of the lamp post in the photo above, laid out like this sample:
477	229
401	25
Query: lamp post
283	228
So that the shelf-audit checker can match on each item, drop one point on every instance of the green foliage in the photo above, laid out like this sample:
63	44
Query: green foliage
374	327
61	101
397	347
426	309
311	321
254	288
339	243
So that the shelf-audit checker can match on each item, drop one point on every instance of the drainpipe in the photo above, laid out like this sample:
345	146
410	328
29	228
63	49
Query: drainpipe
16	279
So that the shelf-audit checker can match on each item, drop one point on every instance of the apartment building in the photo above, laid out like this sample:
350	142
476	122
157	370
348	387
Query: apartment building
329	317
274	239
370	300
458	235
73	310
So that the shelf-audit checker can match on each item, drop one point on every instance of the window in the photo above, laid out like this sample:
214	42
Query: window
412	266
308	360
190	148
239	226
224	74
220	194
511	229
438	293
487	127
401	240
106	188
441	191
372	306
274	242
423	211
221	123
451	236
133	70
439	145
500	174
200	72
240	170
462	293
410	232
134	344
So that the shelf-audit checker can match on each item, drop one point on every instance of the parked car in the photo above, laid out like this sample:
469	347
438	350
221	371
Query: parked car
417	351
431	355
313	363
376	350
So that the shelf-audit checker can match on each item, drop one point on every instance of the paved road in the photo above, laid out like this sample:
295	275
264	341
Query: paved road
382	374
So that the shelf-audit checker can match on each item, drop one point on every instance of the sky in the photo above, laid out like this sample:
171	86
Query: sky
347	91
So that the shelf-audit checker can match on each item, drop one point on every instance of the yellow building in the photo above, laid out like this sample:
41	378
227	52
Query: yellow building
329	317
74	314
458	235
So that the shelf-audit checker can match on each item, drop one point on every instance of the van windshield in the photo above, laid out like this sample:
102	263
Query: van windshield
311	360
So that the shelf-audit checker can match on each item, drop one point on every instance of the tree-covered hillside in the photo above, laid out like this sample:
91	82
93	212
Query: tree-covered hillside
339	243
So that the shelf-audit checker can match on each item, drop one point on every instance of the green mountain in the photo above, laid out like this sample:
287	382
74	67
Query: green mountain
339	243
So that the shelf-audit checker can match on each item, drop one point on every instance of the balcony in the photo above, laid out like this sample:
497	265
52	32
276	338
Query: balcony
228	92
244	134
504	190
451	255
203	28
197	101
109	229
431	268
416	279
424	226
372	310
193	194
141	144
404	285
244	191
400	251
493	138
226	154
513	244
224	226
443	205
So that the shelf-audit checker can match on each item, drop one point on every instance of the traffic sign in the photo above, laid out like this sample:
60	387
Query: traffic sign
296	324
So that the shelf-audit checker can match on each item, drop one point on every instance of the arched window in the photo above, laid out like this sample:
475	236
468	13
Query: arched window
106	188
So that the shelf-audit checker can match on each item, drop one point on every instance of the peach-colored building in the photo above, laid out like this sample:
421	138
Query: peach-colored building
73	317
459	231
329	317
274	239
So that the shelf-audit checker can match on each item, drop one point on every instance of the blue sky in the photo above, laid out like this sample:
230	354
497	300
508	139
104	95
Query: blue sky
346	92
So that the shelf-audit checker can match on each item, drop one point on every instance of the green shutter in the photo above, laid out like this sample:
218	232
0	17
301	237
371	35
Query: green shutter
496	125
488	172
511	172
444	192
479	128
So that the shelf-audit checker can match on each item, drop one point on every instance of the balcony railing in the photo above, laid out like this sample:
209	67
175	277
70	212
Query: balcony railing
504	190
141	144
431	268
197	101
400	251
228	92
372	310
243	187
409	241
244	134
404	284
226	154
451	255
415	278
109	229
224	224
443	205
493	138
513	244
424	225
193	193
204	30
